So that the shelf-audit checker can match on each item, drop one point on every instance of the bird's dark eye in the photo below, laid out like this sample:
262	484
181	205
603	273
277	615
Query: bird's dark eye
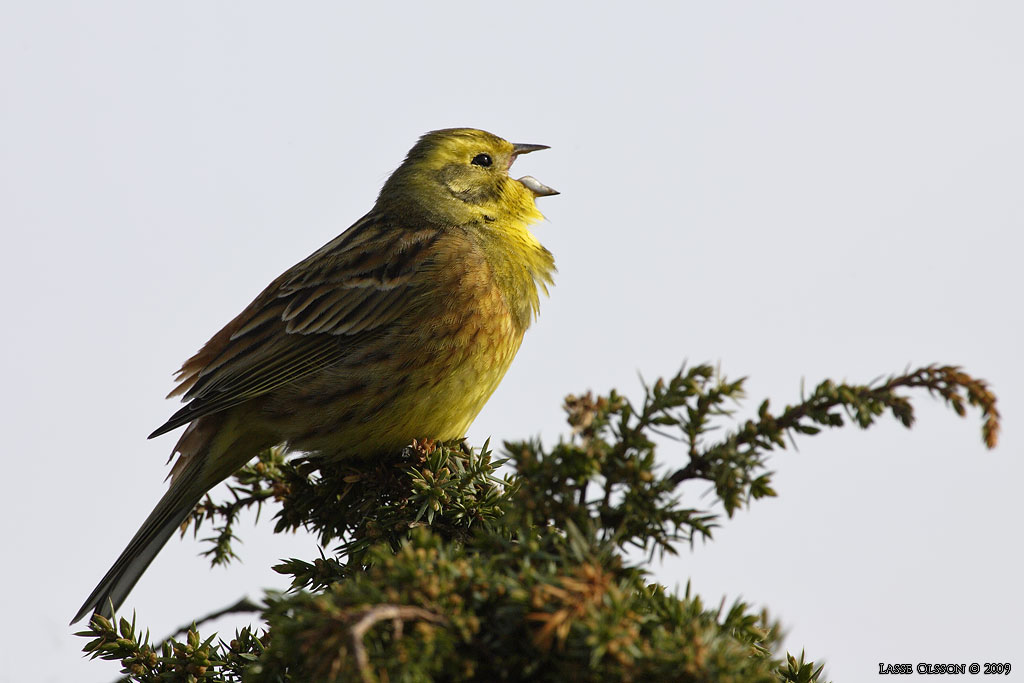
482	160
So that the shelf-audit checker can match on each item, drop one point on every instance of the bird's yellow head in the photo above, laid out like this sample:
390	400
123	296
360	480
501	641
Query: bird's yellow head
460	176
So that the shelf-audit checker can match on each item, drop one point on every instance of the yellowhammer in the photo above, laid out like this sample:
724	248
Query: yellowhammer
399	328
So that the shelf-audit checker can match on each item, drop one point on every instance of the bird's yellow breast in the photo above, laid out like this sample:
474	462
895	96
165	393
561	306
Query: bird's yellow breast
471	327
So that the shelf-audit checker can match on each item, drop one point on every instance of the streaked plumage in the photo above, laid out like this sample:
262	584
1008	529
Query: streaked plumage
399	328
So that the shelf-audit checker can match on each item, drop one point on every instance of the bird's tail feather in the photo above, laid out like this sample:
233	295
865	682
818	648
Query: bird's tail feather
185	491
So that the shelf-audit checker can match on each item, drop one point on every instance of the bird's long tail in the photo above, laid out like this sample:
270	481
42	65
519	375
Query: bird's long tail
211	448
185	491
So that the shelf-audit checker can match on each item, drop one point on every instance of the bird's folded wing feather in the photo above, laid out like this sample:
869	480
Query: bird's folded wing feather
307	319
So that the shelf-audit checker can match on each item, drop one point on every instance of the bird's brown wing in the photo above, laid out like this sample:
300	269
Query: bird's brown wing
308	318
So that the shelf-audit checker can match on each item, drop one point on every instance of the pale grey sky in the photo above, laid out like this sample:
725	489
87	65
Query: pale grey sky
790	189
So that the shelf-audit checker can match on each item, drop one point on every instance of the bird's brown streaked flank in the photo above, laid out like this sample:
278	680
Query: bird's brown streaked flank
399	328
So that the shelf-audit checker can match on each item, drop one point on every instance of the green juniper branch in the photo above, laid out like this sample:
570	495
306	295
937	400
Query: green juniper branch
445	568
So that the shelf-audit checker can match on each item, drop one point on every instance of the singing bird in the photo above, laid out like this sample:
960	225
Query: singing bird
399	328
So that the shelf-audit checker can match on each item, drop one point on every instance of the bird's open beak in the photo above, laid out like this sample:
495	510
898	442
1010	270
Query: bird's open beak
538	188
